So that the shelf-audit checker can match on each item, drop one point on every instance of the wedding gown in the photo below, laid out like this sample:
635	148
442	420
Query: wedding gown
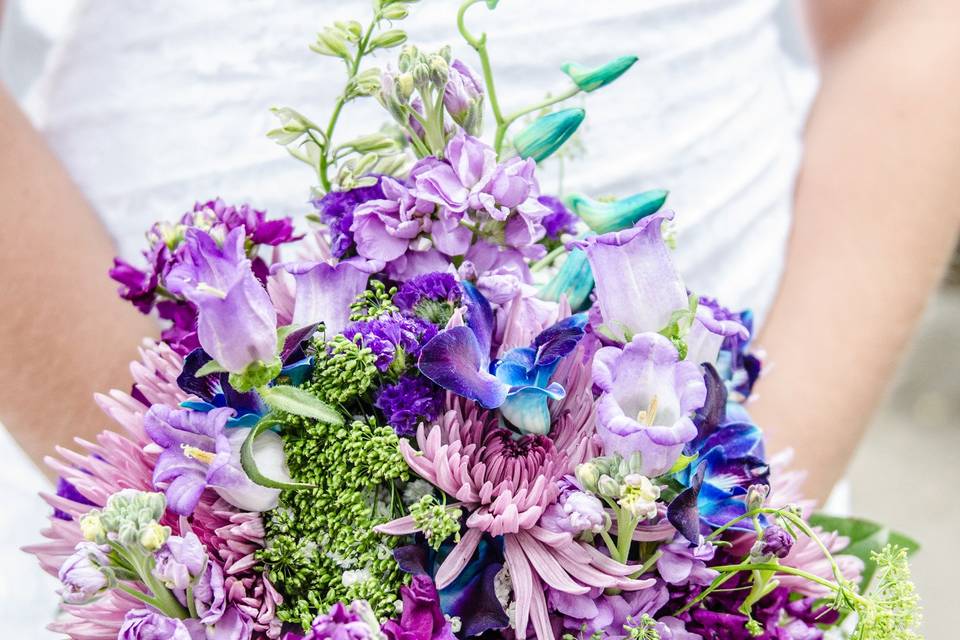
153	105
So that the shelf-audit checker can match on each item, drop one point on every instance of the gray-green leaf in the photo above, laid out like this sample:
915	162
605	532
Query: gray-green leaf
300	403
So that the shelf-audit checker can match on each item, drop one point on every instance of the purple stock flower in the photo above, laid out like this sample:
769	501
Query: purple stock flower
436	287
324	291
685	564
180	561
341	623
637	286
257	228
136	285
143	624
390	336
575	511
237	323
560	220
411	400
463	97
199	452
422	618
385	229
597	611
336	211
647	398
81	576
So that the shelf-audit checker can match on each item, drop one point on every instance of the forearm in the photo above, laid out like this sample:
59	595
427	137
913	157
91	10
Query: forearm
876	219
64	333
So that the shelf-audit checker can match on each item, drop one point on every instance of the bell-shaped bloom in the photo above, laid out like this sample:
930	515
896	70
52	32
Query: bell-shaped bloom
647	400
463	97
324	291
458	359
712	326
237	323
198	451
547	134
605	217
638	287
592	79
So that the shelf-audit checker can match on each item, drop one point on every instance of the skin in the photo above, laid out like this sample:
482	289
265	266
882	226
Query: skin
875	221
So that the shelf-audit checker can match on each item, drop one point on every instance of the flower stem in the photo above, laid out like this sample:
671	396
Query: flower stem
479	44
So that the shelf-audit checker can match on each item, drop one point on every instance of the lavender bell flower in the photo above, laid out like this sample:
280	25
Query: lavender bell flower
81	574
237	323
712	326
637	286
648	396
199	452
325	291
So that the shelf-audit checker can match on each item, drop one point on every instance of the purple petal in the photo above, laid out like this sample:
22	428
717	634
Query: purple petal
479	319
683	512
453	359
559	340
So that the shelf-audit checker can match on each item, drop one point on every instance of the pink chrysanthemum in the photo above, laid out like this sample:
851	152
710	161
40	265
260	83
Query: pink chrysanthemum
506	482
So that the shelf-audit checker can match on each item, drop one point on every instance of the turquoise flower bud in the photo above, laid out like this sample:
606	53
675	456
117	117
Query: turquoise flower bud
547	134
592	79
605	217
574	280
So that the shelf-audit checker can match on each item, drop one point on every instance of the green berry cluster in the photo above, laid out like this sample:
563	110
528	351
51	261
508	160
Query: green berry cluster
375	301
437	521
320	543
344	371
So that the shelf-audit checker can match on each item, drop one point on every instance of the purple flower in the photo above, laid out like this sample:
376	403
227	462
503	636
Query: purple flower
422	618
142	624
463	97
713	327
81	576
560	220
324	292
435	287
392	336
180	561
637	286
136	285
683	564
199	452
575	511
209	595
257	228
66	490
647	398
596	611
237	323
385	229
341	623
336	211
776	542
412	400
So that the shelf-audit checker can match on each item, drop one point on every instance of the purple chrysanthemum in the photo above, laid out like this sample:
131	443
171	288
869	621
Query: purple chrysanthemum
336	211
412	400
438	287
390	335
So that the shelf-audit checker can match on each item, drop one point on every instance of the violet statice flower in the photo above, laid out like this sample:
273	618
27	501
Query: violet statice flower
392	336
435	287
422	618
81	574
411	400
237	323
336	211
560	220
648	396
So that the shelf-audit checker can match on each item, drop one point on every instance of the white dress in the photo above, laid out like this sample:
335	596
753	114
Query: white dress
153	105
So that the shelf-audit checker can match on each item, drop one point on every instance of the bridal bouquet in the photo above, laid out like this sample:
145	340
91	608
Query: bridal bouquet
453	407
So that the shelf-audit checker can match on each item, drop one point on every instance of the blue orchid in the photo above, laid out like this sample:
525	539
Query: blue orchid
458	359
730	457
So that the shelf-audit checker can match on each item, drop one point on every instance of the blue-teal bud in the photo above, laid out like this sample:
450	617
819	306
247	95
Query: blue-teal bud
573	280
593	79
541	139
616	215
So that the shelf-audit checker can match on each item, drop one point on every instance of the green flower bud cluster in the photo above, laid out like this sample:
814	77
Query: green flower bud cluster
890	610
320	543
437	521
643	629
374	302
344	371
130	518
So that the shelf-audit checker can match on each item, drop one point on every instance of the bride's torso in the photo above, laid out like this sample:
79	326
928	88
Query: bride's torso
154	105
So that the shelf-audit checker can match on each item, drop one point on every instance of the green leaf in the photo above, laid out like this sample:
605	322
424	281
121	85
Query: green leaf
866	537
300	403
211	367
249	464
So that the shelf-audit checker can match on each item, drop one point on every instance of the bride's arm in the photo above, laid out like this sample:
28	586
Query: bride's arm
876	218
64	333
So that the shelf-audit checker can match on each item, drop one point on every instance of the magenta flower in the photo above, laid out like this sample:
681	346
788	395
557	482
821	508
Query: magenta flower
648	396
637	286
341	623
421	618
325	291
237	324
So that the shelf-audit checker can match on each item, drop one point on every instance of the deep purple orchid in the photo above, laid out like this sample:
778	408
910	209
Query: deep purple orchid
422	618
458	359
324	291
637	286
647	399
199	452
237	324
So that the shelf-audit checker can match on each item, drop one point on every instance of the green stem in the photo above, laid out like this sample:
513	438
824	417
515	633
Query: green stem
480	46
139	595
646	566
354	66
548	259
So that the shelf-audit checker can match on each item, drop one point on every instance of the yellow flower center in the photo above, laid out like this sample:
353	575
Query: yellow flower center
648	415
196	453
